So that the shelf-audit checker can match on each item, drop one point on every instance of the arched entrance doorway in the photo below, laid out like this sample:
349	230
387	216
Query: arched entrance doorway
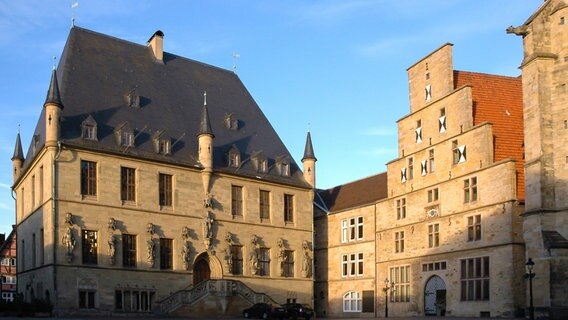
201	270
435	297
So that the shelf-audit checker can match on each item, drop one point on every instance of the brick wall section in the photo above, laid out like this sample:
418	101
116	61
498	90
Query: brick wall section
499	100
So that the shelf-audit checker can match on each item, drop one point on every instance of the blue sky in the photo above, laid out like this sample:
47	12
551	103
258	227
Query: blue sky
337	67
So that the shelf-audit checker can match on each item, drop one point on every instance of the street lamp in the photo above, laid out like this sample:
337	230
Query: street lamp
530	275
388	286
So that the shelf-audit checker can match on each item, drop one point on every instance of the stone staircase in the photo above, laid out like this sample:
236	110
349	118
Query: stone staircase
221	291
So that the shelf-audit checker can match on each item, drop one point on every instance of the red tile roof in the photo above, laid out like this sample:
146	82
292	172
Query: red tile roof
356	193
499	100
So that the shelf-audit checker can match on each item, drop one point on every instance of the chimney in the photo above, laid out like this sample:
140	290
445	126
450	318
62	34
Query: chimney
156	43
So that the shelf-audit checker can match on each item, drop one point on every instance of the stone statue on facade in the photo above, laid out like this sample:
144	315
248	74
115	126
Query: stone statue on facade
281	256
186	255
151	247
306	260
69	243
253	262
111	249
229	252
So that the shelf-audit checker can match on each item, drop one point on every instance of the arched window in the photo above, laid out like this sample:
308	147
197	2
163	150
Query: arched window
352	302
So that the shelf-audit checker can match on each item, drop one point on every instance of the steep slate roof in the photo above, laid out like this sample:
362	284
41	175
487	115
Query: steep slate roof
309	149
499	100
356	193
95	74
18	152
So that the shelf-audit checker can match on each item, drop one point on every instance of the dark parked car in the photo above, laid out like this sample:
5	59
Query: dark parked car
265	311
298	310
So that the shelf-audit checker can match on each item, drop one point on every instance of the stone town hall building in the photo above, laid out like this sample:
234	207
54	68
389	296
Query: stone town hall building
149	173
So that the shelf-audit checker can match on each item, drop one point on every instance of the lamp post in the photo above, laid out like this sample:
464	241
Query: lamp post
388	286
530	275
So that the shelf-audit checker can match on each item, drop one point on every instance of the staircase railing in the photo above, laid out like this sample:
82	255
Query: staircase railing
214	287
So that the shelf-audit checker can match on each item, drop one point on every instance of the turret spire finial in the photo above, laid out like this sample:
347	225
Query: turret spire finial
204	98
54	60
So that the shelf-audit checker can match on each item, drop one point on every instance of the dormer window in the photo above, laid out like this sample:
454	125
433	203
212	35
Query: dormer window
124	135
260	162
89	129
231	122
283	165
263	165
162	143
234	157
285	169
132	99
164	147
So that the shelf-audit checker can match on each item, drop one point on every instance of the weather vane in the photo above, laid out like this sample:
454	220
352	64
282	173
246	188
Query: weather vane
73	6
236	55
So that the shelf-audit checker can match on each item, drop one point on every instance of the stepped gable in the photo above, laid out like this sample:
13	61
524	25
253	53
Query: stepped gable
97	73
499	100
356	193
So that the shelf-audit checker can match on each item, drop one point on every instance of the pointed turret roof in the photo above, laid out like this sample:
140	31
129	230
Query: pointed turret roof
18	152
204	123
53	92
309	149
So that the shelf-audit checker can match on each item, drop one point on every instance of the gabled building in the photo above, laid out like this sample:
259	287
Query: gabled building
440	233
154	183
8	263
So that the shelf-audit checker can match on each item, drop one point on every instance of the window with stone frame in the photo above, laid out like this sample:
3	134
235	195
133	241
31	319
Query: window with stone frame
129	250
288	266
433	235
410	168
470	190
474	228
399	241
401	208
264	262
126	138
88	178
418	131
166	254
237	259
87	299
400	279
352	302
127	184
165	189
89	245
475	279
288	208
352	264
236	200
442	121
264	204
134	299
455	152
431	161
433	195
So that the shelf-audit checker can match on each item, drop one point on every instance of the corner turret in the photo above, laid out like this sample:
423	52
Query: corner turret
309	161
205	139
17	158
53	107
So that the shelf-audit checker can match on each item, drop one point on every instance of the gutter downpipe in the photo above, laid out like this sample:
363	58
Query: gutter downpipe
55	224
